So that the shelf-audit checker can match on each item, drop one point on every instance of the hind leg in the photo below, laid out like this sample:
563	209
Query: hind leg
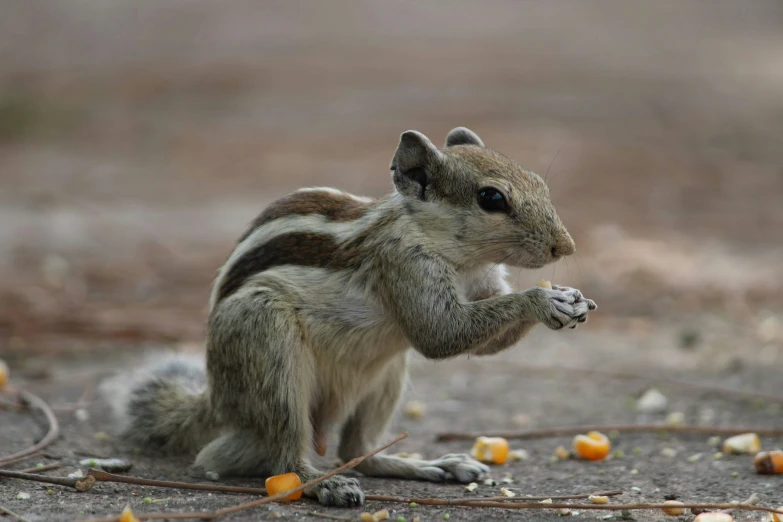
261	376
369	422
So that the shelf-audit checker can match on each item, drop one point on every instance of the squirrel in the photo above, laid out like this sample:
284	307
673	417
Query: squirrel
314	313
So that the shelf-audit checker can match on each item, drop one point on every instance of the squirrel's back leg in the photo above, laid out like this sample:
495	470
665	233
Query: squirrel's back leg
262	377
362	431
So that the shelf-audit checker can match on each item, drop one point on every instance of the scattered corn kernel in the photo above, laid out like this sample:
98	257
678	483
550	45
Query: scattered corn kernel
561	453
775	517
545	284
518	454
593	446
3	374
415	410
508	478
546	501
127	515
713	516
675	510
280	483
714	441
367	517
718	455
652	401
490	482
564	512
491	450
23	495
471	487
669	452
381	515
598	499
745	443
769	462
634	471
507	492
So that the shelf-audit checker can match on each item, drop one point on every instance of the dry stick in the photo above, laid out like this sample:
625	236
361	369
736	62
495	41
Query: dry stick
51	435
266	500
48	467
102	476
628	428
751	501
10	513
82	484
612	493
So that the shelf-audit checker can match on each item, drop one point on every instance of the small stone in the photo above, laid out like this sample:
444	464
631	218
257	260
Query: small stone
563	512
490	482
76	474
415	410
652	401
669	452
695	457
636	489
634	471
519	454
507	492
23	495
673	508
675	418
110	465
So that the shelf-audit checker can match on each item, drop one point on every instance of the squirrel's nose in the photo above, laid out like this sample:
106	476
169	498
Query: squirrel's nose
564	247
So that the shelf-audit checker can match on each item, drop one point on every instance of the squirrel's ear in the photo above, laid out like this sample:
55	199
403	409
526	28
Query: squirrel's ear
463	136
412	164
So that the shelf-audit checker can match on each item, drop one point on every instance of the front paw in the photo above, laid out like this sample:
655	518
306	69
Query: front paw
563	306
337	491
460	466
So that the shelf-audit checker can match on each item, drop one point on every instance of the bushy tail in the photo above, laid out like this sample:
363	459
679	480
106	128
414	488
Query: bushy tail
162	405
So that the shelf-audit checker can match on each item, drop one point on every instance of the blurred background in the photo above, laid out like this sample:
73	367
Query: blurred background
137	139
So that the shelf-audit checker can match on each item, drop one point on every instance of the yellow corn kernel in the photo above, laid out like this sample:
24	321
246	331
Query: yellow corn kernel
381	515
3	374
545	284
745	443
675	510
285	482
598	499
593	446
491	450
775	517
563	512
367	517
127	515
415	410
769	462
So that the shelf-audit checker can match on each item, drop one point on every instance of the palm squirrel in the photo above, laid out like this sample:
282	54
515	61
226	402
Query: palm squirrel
313	314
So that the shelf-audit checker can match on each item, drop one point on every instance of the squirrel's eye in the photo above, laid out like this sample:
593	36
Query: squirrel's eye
492	200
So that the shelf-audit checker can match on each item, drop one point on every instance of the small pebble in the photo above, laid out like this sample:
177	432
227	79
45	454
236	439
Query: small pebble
636	490
518	455
507	492
694	457
471	487
23	495
652	401
669	452
415	410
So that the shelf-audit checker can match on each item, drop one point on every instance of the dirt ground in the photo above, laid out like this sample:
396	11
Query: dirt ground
137	140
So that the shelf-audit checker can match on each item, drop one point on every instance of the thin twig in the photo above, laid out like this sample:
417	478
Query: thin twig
51	435
211	515
628	428
82	484
102	476
8	462
10	513
48	467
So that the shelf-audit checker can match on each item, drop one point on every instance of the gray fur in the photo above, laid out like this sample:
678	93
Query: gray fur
319	339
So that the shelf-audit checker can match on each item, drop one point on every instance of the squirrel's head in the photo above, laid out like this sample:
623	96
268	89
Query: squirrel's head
479	205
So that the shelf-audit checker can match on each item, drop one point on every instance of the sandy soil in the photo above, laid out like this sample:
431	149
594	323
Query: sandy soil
137	140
